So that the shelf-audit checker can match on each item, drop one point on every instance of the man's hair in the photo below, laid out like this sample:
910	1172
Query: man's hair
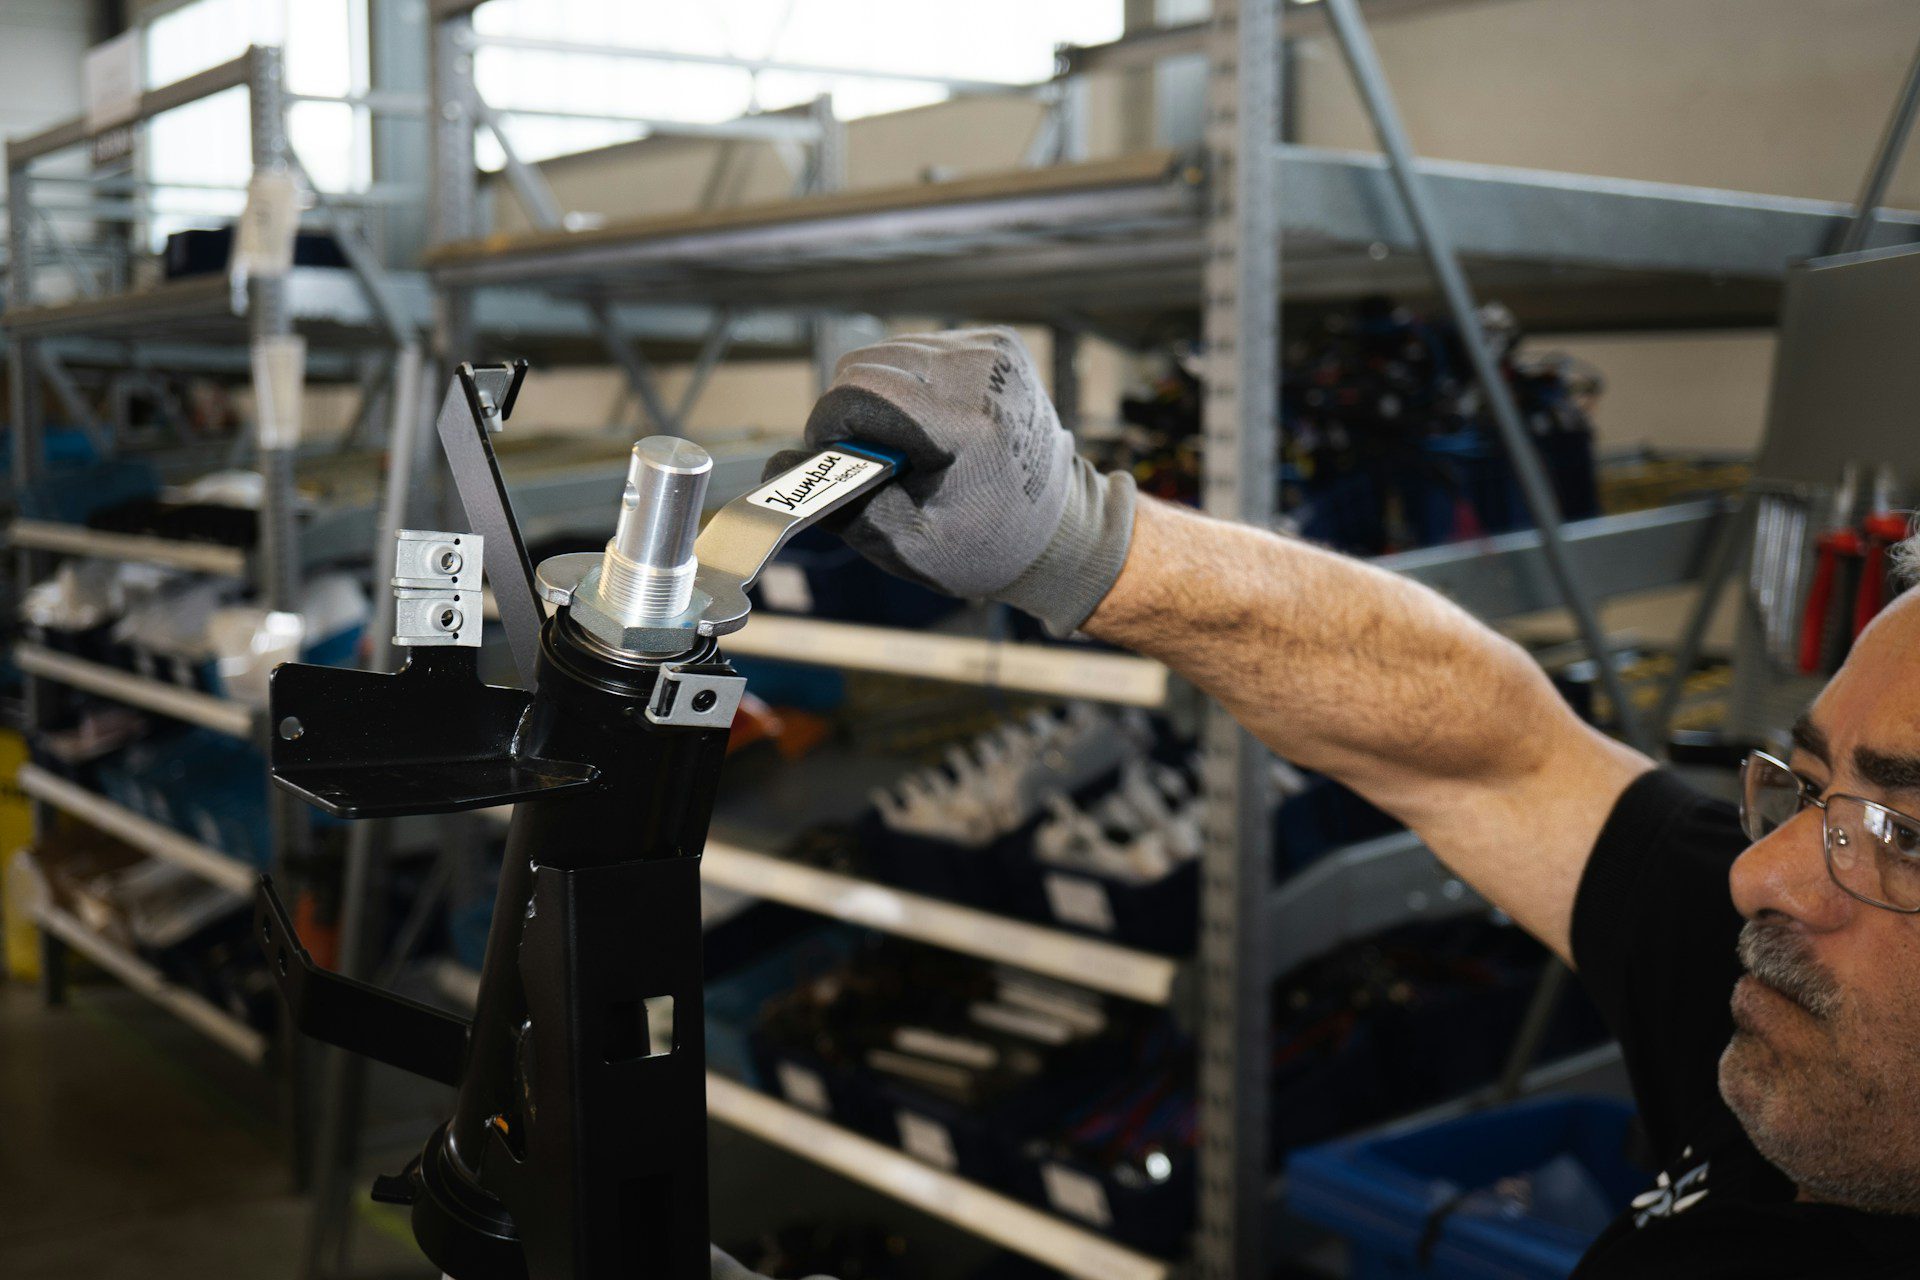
1906	556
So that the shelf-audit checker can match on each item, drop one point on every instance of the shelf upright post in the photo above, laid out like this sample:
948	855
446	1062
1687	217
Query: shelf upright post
1240	476
269	323
833	335
27	409
1064	341
278	383
453	214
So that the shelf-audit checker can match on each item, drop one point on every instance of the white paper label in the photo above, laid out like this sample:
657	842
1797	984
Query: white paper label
1078	901
1076	1195
111	76
279	384
784	586
816	484
926	1140
263	243
803	1088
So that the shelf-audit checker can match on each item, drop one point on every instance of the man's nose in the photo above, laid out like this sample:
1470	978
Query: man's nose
1785	875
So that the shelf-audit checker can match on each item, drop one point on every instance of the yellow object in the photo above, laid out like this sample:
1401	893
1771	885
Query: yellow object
16	879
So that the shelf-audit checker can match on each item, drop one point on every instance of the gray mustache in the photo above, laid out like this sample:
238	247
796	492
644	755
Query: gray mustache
1780	959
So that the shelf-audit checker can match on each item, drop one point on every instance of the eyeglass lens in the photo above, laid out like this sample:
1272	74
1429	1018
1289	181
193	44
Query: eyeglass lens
1873	852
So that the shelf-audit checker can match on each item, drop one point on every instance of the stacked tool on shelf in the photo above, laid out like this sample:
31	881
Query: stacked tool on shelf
1388	444
1086	1106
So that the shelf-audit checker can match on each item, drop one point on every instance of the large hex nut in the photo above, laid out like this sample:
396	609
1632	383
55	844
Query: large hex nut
656	639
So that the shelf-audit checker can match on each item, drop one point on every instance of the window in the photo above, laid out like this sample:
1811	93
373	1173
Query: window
199	156
1006	41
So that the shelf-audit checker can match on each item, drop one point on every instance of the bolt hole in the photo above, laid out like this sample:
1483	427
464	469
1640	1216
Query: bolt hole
704	700
291	729
280	962
266	933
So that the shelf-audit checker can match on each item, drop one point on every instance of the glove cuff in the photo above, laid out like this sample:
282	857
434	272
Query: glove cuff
1079	565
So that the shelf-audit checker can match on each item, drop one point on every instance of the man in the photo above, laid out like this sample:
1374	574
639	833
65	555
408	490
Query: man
1772	1034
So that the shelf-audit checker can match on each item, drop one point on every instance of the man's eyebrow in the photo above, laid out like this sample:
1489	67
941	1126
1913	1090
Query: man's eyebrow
1808	737
1886	770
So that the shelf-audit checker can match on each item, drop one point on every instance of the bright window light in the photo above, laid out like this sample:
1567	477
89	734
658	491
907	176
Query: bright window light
1008	41
207	144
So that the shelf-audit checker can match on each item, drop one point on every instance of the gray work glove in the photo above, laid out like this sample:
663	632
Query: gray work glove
996	504
725	1268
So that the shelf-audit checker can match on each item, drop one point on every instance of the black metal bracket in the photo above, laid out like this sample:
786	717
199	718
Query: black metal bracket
429	738
352	1015
481	397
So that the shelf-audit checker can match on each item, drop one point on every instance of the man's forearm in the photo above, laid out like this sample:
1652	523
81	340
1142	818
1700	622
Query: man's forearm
1385	686
1336	665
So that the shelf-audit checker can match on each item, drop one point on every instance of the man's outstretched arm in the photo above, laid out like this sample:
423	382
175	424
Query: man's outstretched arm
1339	667
1387	687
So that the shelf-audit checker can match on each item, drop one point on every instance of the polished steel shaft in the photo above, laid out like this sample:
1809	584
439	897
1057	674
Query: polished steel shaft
647	572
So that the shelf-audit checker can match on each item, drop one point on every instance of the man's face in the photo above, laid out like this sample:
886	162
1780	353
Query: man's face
1824	1066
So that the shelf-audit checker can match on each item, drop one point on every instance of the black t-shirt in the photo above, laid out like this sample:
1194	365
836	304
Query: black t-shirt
1654	929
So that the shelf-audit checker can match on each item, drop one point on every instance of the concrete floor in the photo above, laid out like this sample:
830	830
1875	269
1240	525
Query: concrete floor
133	1149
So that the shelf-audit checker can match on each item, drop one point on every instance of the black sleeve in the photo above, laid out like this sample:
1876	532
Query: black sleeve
1653	936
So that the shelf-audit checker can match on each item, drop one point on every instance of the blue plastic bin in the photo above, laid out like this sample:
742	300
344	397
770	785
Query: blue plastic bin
1382	1192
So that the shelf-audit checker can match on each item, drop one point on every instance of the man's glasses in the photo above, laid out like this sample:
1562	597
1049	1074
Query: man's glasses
1873	852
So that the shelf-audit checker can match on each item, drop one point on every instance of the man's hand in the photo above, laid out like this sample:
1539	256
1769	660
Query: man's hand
1336	665
995	504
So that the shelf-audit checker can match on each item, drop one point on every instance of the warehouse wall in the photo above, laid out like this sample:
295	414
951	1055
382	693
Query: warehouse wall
40	57
1782	96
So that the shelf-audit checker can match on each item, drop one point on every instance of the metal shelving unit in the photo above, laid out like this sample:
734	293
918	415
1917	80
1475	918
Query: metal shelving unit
141	832
1089	962
218	1025
1128	249
171	553
1072	1250
191	705
1061	671
330	307
260	313
1119	245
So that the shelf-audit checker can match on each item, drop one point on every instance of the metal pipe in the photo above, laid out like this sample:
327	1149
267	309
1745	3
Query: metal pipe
404	433
73	402
755	65
1535	487
377	101
1886	158
767	128
1723	563
530	186
71	133
83	279
366	268
535	194
712	349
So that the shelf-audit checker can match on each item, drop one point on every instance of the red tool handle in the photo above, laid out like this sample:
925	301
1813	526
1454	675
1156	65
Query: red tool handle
1882	530
1813	621
1833	544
